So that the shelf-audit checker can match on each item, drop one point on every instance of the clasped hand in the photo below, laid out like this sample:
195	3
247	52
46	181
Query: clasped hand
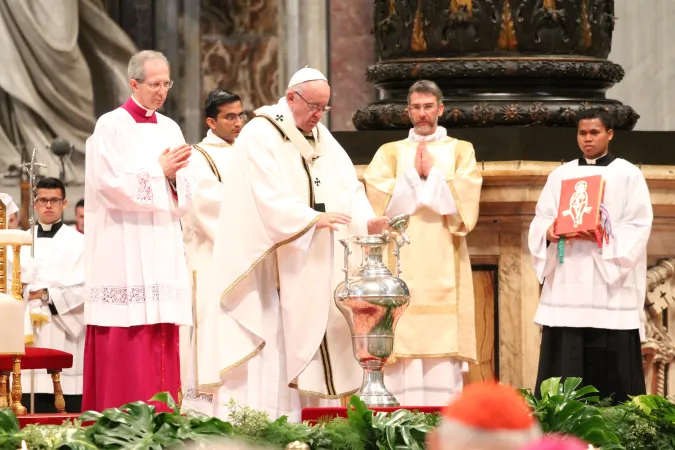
423	160
172	161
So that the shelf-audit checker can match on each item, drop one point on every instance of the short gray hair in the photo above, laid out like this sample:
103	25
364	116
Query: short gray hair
136	69
426	87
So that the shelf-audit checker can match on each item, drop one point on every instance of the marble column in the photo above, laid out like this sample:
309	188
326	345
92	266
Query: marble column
642	45
240	49
352	50
303	27
167	41
191	86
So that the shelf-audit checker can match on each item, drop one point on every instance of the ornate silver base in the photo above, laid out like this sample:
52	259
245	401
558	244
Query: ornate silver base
372	392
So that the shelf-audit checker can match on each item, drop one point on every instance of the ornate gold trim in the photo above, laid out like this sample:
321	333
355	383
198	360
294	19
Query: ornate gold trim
243	360
327	365
209	161
284	137
264	255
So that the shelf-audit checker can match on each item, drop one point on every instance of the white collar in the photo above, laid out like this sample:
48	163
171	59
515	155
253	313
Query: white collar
148	112
48	226
437	135
592	162
212	139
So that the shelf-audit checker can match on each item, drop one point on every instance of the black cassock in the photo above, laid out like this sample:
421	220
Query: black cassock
609	360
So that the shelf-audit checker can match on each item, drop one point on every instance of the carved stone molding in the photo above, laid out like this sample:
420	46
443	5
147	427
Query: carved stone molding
467	113
491	68
498	62
658	350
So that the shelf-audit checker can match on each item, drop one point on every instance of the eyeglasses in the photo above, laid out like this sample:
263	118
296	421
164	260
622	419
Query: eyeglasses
154	85
234	117
313	106
42	201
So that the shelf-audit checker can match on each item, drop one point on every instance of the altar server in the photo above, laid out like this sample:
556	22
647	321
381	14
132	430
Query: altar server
225	118
591	302
54	289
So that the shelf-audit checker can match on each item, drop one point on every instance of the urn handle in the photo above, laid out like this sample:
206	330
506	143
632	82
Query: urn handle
397	254
345	269
399	224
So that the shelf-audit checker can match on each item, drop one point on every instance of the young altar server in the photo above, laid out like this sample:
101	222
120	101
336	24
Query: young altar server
54	289
138	291
278	261
591	301
225	118
433	178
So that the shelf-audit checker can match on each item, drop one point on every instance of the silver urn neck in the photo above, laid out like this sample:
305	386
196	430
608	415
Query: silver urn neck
373	249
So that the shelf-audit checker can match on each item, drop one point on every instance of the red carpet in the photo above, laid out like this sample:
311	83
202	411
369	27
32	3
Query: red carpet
308	414
314	414
46	419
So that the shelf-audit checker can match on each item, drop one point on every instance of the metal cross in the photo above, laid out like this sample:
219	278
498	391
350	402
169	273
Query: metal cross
30	170
29	167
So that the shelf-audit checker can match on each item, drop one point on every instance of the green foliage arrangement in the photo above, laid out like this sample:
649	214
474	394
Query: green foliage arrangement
646	422
567	408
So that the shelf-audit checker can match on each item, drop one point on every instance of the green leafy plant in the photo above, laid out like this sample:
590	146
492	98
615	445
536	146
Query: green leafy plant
399	430
647	422
137	426
9	429
568	408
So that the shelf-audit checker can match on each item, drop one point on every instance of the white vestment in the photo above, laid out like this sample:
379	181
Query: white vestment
199	227
58	266
135	264
423	381
287	345
595	287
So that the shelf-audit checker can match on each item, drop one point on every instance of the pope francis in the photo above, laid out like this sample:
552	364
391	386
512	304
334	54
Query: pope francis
279	343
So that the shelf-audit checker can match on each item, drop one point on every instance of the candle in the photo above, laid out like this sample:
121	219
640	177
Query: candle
15	237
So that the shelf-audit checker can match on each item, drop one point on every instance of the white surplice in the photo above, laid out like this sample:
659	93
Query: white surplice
290	347
58	266
595	287
199	227
135	263
423	381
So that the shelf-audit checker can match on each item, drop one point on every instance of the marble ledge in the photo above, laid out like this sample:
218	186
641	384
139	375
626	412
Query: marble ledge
513	187
527	172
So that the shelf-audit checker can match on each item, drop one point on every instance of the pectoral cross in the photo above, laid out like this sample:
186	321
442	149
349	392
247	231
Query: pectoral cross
317	182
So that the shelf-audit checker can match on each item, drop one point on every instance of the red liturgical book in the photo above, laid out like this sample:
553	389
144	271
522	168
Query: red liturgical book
579	209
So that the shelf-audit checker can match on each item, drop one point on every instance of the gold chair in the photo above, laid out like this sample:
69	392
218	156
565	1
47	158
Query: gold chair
13	335
16	330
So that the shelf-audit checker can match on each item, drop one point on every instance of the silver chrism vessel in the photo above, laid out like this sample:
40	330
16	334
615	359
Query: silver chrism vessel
372	301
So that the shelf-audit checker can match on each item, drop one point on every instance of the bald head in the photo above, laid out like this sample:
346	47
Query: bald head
308	101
